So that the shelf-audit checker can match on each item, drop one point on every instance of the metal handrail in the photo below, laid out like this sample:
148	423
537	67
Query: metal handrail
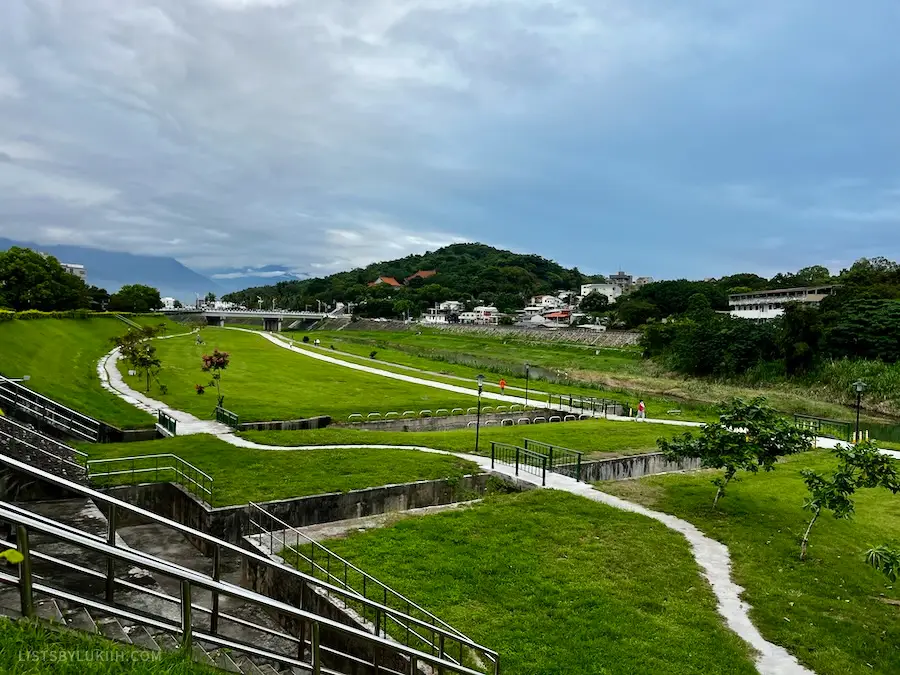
86	427
554	453
167	422
205	484
64	460
340	579
191	580
514	456
114	505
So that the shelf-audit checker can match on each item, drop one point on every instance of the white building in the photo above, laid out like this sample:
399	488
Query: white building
77	270
168	303
483	315
547	301
762	305
442	311
642	281
611	291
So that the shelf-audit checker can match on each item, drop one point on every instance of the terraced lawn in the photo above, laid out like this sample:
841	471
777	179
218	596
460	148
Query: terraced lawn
61	357
833	612
267	382
558	585
241	475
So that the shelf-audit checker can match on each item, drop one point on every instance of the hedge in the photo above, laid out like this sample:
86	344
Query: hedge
33	314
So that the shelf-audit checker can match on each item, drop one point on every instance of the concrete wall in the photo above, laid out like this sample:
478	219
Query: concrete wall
444	423
319	422
634	466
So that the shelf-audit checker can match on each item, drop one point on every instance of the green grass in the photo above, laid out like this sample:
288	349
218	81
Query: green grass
593	437
267	382
829	610
557	584
61	357
241	475
29	648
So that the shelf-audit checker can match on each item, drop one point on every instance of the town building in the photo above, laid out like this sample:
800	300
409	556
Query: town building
547	301
611	291
168	303
763	305
622	279
483	315
77	270
390	281
421	274
443	312
640	282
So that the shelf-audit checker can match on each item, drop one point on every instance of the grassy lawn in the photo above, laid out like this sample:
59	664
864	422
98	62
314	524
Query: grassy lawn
593	437
29	648
557	584
828	611
267	382
61	357
241	475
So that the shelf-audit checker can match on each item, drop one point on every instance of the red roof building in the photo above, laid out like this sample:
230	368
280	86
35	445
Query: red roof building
421	274
390	281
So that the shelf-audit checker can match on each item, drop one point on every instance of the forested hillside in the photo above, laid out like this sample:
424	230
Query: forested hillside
473	273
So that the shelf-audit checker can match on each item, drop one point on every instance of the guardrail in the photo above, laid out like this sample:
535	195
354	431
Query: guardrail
353	645
523	460
559	460
162	468
167	422
575	402
304	552
821	426
49	411
227	417
29	438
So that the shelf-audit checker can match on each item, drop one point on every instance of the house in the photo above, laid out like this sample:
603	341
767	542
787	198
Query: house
390	281
76	270
762	305
547	301
421	274
168	303
611	291
482	315
443	312
622	279
642	281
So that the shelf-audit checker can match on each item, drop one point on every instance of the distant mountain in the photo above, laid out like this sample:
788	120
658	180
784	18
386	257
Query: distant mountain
112	270
235	279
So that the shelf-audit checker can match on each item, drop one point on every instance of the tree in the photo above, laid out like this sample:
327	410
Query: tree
135	298
29	280
859	466
177	304
594	303
214	363
139	353
210	297
748	436
884	559
800	337
99	298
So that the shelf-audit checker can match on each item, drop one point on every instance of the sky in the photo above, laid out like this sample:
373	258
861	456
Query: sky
668	139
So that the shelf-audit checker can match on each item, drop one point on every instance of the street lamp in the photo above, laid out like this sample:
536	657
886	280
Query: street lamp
480	380
860	387
527	371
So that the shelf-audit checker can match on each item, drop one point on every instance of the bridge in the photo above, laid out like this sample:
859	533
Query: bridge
273	319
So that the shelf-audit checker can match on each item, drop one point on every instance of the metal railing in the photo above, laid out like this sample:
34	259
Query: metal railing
357	647
167	422
526	461
227	417
29	438
376	647
559	460
163	468
583	403
821	426
49	411
304	553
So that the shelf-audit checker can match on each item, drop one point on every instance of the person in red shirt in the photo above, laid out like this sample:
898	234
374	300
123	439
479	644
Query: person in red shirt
502	385
642	411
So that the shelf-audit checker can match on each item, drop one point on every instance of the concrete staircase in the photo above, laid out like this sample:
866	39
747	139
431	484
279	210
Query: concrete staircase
158	541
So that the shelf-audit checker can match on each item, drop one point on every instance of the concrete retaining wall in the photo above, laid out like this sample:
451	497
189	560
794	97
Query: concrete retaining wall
319	422
634	466
445	423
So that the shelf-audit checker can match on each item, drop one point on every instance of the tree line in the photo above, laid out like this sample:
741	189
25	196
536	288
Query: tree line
32	281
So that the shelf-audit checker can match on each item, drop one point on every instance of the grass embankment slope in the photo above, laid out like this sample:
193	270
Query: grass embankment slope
614	372
267	382
557	584
828	611
595	438
61	357
241	475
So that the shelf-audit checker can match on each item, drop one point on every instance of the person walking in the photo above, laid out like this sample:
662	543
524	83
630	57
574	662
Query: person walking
642	411
502	385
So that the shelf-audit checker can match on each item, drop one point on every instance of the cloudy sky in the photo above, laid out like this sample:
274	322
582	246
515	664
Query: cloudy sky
667	138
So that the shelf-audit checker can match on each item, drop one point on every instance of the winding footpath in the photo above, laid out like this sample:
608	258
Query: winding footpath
712	556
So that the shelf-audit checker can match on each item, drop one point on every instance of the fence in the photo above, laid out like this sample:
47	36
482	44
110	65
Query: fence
523	460
227	417
167	422
412	625
48	411
559	460
820	426
162	468
594	405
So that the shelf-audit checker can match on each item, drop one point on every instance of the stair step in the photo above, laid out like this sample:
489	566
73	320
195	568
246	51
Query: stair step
224	661
200	655
266	669
247	666
167	642
79	619
48	610
142	638
111	628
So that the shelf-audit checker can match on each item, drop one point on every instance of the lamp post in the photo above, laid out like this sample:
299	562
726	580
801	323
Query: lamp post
480	380
527	371
860	387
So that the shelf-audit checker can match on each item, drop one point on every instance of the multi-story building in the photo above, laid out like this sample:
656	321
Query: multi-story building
483	315
547	302
77	270
762	305
622	279
443	312
611	291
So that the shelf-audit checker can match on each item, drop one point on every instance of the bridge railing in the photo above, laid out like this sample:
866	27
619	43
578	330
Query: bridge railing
49	411
523	460
559	460
827	428
227	417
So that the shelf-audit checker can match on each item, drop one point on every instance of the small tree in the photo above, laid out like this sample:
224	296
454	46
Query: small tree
139	353
859	466
215	363
594	303
748	435
884	559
